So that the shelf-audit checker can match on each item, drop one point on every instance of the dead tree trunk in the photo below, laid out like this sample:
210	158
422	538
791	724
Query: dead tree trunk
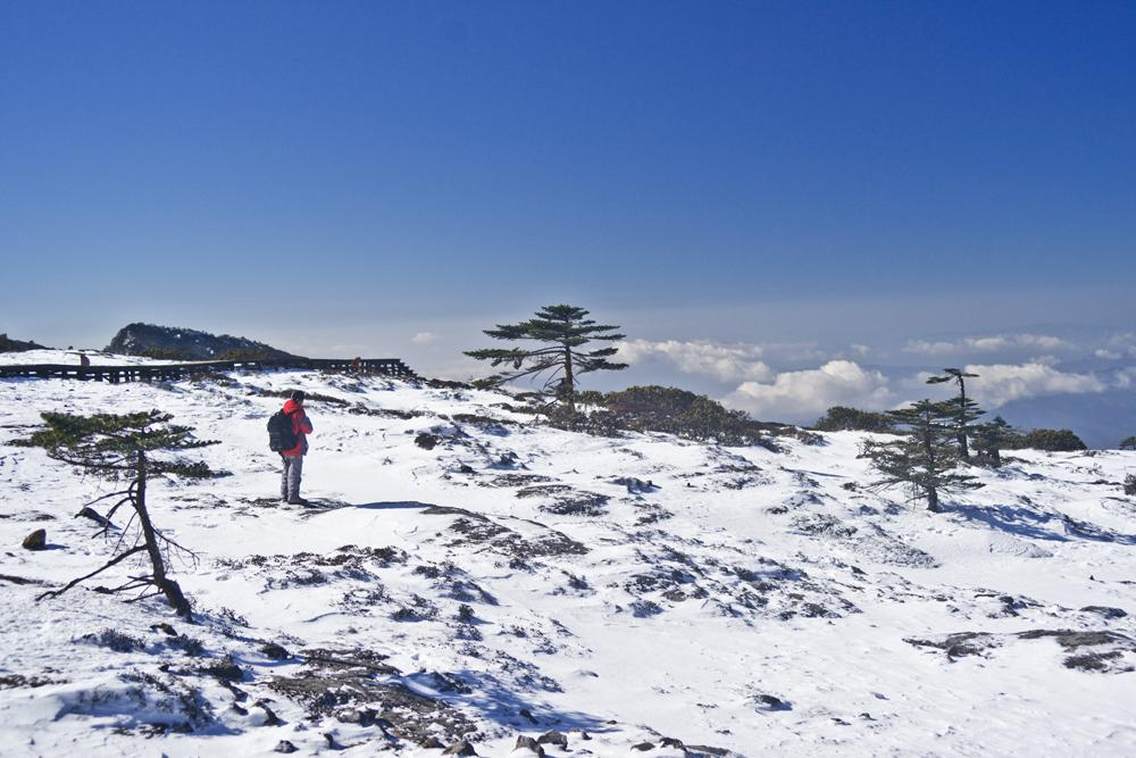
963	449
165	585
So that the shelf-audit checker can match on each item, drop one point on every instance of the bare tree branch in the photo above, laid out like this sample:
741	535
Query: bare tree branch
72	583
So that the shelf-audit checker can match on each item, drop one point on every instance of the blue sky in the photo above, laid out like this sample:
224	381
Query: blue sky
343	177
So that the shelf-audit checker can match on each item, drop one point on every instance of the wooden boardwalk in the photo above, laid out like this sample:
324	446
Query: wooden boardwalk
393	367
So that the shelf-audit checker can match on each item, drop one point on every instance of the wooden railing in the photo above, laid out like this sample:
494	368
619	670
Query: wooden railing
164	371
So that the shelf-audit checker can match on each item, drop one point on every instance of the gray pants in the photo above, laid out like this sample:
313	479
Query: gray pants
290	477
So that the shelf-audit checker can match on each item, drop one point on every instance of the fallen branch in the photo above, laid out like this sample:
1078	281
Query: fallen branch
73	582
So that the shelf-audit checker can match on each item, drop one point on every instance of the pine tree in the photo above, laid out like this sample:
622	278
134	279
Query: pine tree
992	438
563	331
135	447
966	411
926	456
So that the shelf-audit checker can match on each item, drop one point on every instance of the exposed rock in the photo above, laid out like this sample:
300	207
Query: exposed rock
188	344
37	540
275	652
554	738
93	515
426	441
770	703
644	746
284	746
227	671
635	485
461	747
270	717
9	345
528	743
1105	611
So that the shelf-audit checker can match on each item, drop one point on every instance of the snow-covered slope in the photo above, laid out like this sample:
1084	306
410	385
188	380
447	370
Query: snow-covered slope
515	580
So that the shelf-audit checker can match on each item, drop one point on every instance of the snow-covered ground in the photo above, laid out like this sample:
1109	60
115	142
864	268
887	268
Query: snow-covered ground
71	358
504	583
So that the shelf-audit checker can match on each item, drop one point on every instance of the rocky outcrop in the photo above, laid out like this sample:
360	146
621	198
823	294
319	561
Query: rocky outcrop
37	540
188	344
8	345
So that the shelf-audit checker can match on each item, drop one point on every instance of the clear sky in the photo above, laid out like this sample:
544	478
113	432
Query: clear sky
386	178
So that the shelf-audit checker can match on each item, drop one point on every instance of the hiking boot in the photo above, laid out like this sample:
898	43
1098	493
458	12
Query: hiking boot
297	501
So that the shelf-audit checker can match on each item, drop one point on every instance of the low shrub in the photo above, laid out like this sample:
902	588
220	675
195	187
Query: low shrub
1053	440
840	418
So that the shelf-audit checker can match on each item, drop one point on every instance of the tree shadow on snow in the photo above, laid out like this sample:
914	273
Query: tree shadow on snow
1016	520
1025	522
495	702
395	505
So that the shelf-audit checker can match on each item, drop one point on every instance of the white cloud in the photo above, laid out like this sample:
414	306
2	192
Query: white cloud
1119	345
1107	355
725	362
804	395
1125	378
424	338
987	344
998	384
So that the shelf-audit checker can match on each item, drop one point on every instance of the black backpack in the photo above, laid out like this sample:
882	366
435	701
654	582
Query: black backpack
281	437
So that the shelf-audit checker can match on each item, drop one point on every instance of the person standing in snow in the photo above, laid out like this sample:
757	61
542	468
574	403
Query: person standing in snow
293	458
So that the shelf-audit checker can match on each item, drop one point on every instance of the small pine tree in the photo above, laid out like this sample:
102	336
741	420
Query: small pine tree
926	457
1129	443
563	331
135	447
966	411
991	438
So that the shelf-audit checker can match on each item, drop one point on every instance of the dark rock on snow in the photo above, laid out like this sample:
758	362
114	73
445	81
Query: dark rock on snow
530	744
37	540
554	738
9	345
187	344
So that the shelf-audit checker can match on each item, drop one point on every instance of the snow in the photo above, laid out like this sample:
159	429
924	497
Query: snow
71	358
749	601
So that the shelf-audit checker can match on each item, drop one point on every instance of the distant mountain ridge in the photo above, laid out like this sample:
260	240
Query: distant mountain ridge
187	344
8	345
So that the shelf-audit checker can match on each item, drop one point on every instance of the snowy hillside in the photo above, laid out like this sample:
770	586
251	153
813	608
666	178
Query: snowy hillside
644	595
